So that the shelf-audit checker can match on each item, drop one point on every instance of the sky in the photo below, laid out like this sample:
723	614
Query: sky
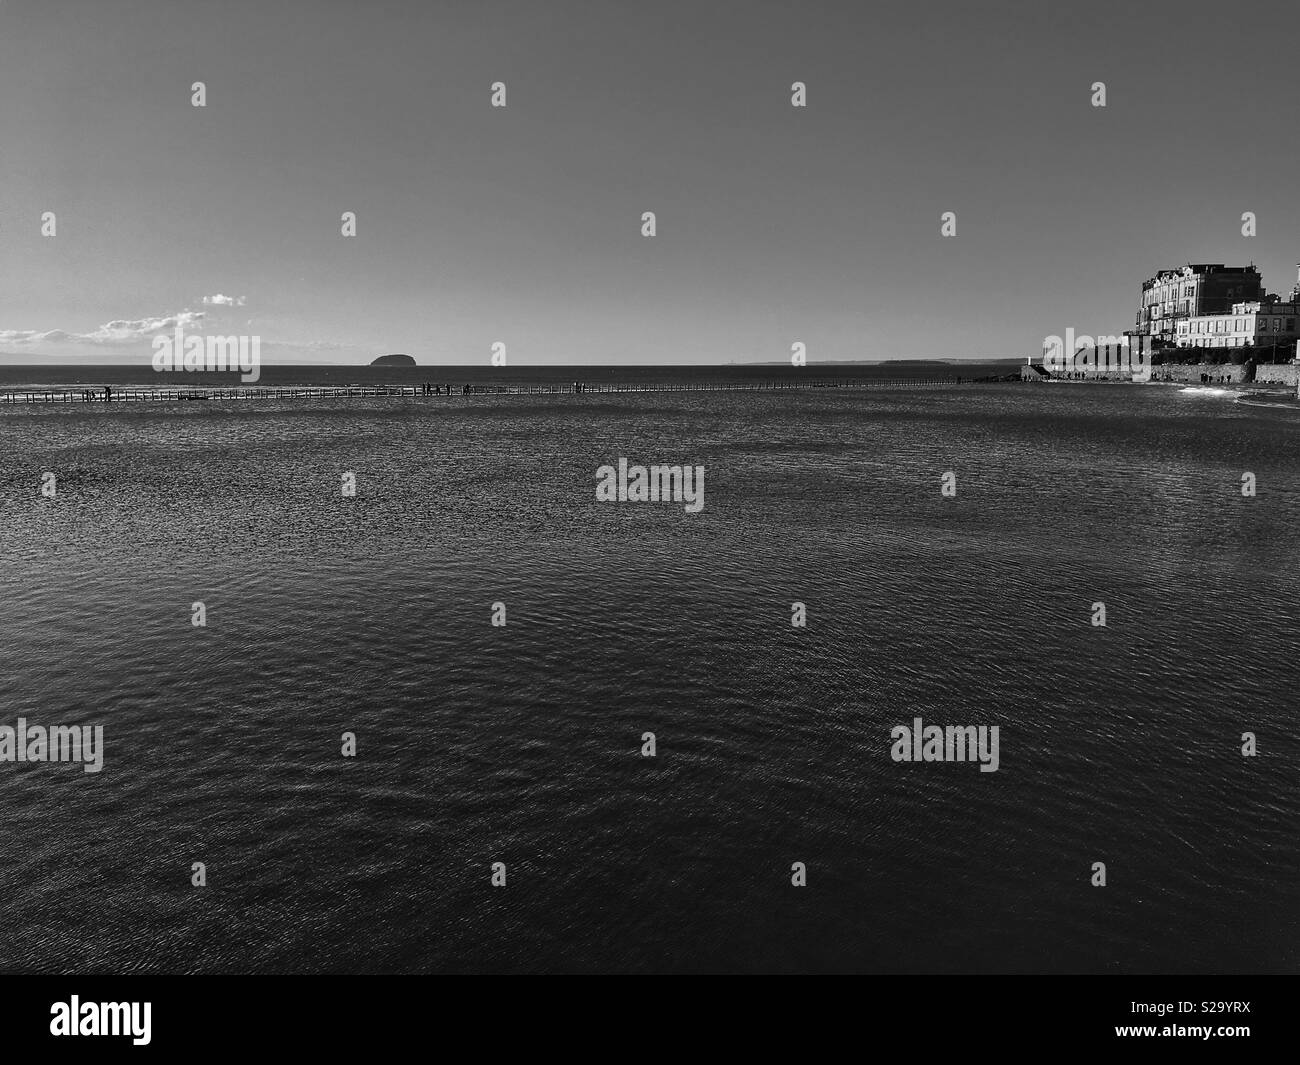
523	225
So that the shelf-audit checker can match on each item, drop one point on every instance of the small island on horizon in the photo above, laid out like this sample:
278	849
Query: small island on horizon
393	360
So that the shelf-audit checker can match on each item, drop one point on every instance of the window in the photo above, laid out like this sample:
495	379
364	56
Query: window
1290	325
1277	325
1263	325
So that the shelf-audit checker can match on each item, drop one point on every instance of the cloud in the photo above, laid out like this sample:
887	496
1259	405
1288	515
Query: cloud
120	331
126	337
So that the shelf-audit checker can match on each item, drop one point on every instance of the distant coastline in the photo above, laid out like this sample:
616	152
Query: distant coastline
14	359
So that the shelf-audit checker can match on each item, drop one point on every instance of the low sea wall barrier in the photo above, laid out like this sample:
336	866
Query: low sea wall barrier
1200	372
129	394
1266	373
1279	373
1197	373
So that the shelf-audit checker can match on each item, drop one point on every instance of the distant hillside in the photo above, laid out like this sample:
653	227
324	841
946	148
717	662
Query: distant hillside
393	360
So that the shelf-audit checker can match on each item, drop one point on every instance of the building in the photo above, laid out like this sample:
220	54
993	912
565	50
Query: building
1174	297
1255	323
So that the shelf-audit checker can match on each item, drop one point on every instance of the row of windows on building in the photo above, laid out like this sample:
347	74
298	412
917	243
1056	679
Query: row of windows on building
1161	303
1165	295
1236	325
1227	342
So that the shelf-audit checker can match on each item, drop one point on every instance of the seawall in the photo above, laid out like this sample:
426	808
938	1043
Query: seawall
1279	373
1196	372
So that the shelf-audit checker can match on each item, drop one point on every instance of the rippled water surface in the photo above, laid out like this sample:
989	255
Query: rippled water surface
521	744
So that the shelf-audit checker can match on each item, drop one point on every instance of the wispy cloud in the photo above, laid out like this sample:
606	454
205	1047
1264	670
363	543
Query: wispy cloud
125	339
120	331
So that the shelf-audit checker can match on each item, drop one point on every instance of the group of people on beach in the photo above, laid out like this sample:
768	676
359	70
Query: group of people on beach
437	390
428	389
1206	378
91	395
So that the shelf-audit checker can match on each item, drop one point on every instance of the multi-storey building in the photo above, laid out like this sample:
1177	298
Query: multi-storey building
1255	323
1174	297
